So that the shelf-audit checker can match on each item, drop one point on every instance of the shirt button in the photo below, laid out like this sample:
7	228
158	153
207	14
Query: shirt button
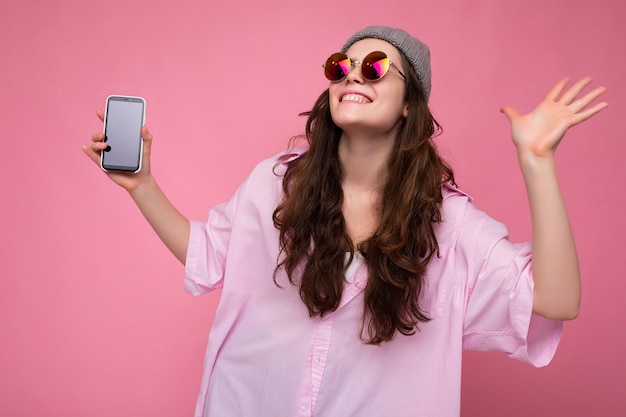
303	407
308	358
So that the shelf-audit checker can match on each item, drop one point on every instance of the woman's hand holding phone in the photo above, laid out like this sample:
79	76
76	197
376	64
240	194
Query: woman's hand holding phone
168	223
127	180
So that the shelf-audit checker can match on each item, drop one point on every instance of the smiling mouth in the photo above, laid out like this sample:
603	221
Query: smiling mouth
355	98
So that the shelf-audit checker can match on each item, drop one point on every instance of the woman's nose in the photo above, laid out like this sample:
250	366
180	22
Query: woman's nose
354	74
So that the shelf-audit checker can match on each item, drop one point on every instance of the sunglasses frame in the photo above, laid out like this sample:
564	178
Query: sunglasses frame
354	62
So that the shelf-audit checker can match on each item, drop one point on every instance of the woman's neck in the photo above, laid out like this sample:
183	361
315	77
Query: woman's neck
364	161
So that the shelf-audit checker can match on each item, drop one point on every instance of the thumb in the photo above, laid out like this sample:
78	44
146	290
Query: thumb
509	112
147	147
147	137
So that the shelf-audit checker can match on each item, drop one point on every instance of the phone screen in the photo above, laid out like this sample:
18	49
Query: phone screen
122	129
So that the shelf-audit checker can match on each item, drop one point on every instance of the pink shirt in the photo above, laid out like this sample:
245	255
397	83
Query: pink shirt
267	357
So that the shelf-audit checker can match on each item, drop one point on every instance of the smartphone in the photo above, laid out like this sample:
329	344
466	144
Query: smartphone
123	118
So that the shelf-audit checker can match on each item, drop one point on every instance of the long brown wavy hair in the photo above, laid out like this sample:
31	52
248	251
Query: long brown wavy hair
313	235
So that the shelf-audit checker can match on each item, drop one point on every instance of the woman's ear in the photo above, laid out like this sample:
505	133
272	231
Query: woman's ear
405	111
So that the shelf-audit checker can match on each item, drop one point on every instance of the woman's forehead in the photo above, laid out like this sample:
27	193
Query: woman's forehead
359	49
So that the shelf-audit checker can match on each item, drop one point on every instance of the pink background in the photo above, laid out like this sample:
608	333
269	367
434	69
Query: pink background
93	318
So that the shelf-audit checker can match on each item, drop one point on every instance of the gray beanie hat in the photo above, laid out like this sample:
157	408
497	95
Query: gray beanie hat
416	51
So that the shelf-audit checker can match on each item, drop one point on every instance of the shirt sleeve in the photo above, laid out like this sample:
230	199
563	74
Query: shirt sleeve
209	241
208	249
500	295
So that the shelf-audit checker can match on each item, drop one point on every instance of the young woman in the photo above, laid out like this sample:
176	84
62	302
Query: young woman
353	270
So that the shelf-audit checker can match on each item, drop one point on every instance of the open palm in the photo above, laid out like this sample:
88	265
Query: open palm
540	131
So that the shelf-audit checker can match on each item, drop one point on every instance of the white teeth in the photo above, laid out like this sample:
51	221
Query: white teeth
355	98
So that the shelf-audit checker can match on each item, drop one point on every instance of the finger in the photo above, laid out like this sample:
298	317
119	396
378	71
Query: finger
570	95
510	113
98	146
97	137
100	115
556	90
147	139
586	114
584	101
91	154
147	146
145	134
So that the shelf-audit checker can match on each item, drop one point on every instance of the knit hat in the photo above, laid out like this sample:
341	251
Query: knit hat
416	51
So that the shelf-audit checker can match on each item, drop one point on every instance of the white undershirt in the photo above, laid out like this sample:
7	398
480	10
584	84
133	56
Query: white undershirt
357	261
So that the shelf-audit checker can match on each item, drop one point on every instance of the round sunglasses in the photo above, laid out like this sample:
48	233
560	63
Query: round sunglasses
373	67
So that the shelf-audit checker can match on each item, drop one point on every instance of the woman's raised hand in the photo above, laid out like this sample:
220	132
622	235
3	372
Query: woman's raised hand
538	133
128	181
169	224
536	136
